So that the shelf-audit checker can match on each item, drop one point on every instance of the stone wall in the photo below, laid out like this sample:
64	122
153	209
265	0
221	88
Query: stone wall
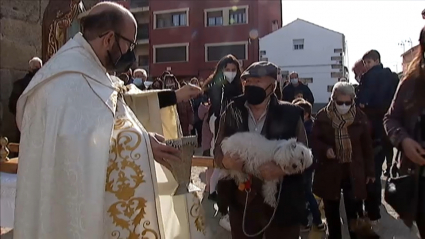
20	40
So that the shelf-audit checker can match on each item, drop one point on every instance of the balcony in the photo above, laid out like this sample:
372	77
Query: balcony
143	33
137	6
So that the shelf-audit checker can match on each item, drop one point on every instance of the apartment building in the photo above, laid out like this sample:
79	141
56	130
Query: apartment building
315	52
140	10
190	37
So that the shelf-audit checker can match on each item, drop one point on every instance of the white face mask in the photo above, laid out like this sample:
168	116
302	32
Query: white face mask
148	83
343	109
138	81
294	81
230	76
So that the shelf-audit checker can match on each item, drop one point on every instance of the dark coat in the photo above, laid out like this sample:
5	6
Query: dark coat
283	121
328	175
17	90
288	92
401	122
221	92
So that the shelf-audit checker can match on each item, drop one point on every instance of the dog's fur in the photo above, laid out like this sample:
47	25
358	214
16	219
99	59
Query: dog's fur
255	150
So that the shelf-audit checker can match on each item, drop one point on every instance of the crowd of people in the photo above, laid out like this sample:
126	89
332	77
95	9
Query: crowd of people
351	137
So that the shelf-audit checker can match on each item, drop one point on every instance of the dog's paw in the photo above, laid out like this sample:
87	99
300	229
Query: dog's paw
269	193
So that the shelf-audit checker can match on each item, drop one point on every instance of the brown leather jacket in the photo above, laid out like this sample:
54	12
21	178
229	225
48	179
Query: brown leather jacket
401	121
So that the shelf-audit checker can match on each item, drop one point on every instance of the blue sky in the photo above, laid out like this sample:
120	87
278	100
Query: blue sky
379	25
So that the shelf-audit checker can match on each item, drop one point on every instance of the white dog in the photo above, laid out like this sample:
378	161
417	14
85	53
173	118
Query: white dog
255	150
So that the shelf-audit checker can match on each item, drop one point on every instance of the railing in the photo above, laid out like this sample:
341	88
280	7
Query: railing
139	3
143	32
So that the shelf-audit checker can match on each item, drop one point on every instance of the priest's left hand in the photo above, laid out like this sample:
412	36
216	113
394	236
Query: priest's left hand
271	171
161	151
187	92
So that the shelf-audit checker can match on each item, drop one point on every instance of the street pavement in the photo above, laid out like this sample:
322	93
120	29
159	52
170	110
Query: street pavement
390	228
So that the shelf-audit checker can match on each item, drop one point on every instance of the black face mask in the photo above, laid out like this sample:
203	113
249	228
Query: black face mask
255	95
124	61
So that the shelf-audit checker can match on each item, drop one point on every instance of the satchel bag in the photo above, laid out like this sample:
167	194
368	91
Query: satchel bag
400	192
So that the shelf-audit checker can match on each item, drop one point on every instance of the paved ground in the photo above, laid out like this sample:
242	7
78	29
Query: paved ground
390	227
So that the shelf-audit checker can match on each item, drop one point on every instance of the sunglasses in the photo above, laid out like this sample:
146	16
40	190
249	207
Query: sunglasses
344	102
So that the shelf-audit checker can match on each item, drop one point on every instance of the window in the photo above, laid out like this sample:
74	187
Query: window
215	18
336	58
143	60
215	53
336	74
143	31
237	16
330	87
171	19
298	44
170	54
336	67
338	50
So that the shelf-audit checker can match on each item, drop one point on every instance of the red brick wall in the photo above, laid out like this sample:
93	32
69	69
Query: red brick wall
260	17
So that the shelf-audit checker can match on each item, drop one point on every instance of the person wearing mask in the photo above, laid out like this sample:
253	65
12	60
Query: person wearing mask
139	78
260	112
184	109
19	86
289	91
405	126
342	145
80	141
221	87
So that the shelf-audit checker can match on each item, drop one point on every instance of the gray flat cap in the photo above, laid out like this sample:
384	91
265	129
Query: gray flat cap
260	69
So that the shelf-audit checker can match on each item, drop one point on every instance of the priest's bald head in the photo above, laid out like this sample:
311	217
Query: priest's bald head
111	31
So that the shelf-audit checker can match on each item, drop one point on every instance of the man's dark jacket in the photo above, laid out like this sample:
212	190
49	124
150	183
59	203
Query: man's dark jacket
281	122
377	88
17	90
289	91
376	91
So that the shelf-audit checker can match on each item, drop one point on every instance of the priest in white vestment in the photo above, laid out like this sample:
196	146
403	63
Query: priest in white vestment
86	163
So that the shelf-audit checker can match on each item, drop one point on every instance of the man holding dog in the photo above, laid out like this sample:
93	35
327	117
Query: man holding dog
259	111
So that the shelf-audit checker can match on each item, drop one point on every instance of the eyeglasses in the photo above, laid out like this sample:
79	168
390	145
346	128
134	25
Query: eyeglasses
347	103
133	44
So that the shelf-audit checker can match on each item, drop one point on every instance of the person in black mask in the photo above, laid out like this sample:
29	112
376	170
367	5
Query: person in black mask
259	111
113	44
19	86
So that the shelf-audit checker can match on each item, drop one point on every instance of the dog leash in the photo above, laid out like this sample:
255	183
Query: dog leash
248	190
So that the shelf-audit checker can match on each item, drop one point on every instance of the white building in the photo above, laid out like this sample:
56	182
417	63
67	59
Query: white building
316	53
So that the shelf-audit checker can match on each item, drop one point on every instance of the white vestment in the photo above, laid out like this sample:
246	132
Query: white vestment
86	168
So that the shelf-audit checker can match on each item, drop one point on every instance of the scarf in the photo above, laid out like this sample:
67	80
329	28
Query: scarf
340	124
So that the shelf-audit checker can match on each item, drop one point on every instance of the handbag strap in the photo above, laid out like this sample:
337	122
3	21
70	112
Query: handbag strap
397	159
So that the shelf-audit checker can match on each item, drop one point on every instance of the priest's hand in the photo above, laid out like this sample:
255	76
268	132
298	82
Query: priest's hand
271	171
161	151
187	92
